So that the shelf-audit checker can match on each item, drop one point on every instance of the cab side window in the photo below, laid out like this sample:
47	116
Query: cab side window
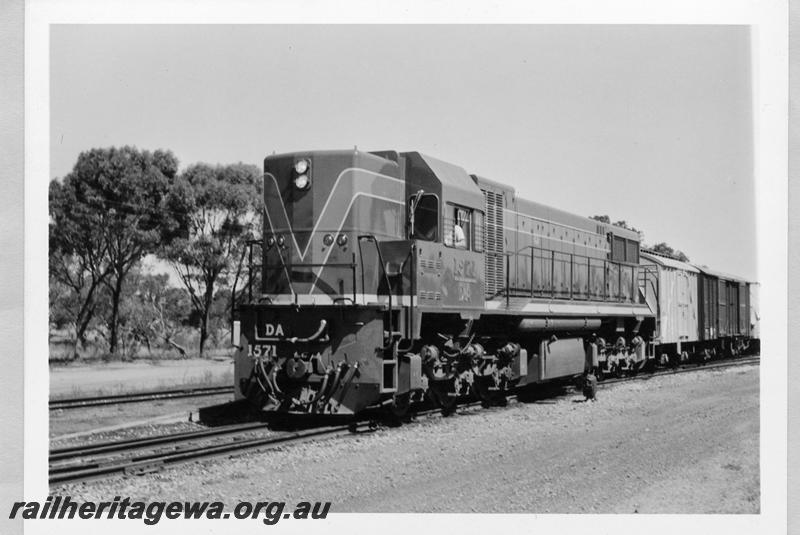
426	218
458	227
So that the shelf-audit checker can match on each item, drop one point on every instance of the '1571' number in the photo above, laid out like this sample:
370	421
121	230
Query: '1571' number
262	350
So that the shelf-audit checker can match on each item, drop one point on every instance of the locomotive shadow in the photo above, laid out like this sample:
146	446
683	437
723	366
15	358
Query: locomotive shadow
240	412
543	394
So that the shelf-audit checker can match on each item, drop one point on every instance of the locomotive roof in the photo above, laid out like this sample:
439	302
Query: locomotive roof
669	262
559	216
457	186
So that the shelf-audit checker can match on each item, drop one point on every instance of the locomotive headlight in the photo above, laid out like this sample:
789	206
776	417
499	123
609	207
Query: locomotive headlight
302	182
281	241
270	241
328	240
301	166
341	240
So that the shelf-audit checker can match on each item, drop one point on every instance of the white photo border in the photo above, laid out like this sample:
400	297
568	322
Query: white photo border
770	96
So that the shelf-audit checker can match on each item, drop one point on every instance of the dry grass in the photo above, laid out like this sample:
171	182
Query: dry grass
63	352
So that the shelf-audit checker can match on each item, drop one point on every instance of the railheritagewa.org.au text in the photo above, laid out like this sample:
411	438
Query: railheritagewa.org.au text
63	507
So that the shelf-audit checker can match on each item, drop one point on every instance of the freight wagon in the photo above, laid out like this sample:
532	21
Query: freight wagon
700	313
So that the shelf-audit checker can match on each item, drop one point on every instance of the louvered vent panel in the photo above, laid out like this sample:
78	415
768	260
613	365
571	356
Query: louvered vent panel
495	280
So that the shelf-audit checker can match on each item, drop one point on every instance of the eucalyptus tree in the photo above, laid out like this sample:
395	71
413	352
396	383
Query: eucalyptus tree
222	203
78	263
114	207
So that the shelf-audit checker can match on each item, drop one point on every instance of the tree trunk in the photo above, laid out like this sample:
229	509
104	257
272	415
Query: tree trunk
203	332
83	325
208	299
116	294
177	346
86	311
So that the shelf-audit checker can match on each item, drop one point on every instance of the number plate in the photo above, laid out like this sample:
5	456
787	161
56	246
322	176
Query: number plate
262	350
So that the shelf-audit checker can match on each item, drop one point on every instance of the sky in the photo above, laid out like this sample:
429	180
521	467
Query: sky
648	124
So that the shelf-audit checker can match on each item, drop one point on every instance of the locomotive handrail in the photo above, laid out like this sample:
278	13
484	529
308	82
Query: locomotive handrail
412	292
246	250
236	281
373	239
553	294
296	267
288	276
649	274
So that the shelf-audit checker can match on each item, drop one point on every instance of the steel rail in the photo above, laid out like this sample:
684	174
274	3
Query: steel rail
95	401
154	461
683	368
85	450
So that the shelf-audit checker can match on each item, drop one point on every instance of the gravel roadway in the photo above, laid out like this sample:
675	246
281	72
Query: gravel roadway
686	443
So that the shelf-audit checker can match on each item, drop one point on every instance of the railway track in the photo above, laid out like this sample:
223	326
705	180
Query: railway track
96	401
739	361
101	467
140	456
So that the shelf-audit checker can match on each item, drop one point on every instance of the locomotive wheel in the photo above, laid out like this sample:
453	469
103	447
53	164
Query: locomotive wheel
399	406
480	388
488	398
600	374
443	399
449	406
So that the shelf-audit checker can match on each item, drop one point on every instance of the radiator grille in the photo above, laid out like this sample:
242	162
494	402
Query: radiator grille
495	274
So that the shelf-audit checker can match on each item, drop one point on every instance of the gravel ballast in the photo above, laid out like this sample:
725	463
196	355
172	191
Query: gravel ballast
683	443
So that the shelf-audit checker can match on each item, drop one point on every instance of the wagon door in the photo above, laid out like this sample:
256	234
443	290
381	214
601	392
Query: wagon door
722	307
744	313
733	306
683	305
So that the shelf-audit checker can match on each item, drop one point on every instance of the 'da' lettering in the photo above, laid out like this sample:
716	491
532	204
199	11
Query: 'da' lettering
274	330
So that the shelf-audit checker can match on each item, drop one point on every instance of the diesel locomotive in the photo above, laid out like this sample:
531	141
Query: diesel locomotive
384	278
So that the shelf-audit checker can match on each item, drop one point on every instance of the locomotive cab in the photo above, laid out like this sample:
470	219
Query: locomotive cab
446	224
